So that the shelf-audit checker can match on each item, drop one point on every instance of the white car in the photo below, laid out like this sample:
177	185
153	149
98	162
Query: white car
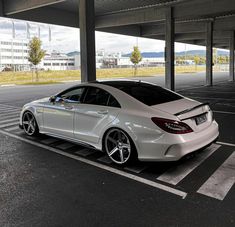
127	119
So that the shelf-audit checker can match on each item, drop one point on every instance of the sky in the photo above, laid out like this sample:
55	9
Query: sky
66	39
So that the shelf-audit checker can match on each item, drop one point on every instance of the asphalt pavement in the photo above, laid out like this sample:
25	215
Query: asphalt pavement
51	182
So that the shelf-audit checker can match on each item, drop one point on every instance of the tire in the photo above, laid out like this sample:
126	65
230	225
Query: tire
29	124
119	146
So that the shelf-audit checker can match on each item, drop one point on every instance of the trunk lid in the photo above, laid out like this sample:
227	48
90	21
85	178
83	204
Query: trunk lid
197	115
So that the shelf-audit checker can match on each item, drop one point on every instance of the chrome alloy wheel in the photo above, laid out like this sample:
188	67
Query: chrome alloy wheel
118	146
29	123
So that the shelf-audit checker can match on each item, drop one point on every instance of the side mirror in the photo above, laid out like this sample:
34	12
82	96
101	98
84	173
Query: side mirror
52	99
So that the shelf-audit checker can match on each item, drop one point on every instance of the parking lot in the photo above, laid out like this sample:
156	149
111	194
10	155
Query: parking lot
50	182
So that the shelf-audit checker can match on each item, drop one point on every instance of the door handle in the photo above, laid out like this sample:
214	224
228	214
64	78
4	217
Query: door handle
68	107
102	112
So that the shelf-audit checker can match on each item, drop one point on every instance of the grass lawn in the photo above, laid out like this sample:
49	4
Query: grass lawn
48	77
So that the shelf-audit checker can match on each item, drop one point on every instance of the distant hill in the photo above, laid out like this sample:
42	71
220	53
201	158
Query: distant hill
181	53
71	54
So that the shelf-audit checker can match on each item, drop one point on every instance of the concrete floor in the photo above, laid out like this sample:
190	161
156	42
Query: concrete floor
39	187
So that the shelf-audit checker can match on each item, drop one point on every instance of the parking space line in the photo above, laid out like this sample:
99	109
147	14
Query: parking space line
8	112
6	117
16	113
7	109
9	120
227	144
4	105
9	124
219	184
175	175
12	128
157	185
223	112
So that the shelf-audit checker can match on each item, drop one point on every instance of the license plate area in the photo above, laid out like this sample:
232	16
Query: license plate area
201	119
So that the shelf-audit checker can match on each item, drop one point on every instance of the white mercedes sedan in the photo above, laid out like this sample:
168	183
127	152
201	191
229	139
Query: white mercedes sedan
126	119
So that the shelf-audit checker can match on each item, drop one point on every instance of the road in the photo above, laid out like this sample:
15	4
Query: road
50	182
24	94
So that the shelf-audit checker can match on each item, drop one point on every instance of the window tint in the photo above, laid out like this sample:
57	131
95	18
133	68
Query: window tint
113	102
97	96
147	93
73	95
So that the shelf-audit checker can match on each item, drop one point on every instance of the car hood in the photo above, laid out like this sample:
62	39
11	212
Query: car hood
39	101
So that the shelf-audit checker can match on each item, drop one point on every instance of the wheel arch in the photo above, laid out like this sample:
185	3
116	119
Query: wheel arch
130	135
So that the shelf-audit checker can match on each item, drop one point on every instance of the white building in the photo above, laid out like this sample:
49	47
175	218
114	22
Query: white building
57	61
14	54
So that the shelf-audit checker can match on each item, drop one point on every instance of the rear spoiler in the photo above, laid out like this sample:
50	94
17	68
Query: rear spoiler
191	109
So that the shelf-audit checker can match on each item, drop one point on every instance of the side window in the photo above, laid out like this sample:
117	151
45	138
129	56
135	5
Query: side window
73	95
96	96
113	102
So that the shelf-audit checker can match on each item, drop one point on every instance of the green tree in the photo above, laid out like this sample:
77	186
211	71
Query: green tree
36	54
197	61
136	58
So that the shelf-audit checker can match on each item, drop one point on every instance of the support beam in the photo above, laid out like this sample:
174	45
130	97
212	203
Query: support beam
185	27
209	53
17	6
183	11
231	63
170	50
87	40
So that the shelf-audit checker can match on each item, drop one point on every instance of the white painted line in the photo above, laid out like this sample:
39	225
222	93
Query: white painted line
85	152
136	169
175	175
9	120
6	105
9	124
8	85
13	128
65	146
101	166
105	159
10	114
6	117
223	112
219	184
9	108
227	144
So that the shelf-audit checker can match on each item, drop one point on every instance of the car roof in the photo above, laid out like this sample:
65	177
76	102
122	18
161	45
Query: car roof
123	82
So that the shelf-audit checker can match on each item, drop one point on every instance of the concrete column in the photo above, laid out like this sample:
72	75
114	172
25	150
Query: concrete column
209	53
170	50
231	63
87	40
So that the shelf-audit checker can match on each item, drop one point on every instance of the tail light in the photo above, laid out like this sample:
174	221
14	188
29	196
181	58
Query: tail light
171	126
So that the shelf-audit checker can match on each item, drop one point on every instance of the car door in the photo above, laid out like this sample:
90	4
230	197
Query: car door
58	116
97	110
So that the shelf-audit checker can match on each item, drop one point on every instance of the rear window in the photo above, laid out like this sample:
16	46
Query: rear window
147	93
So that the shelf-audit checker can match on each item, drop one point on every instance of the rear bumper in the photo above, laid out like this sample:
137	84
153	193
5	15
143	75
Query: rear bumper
174	147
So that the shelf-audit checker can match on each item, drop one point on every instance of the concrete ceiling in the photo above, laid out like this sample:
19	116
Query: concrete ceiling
144	18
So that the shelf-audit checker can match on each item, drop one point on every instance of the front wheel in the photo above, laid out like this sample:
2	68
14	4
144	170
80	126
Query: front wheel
29	124
119	146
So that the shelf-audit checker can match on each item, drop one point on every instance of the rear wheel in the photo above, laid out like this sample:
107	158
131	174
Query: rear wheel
29	124
119	146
